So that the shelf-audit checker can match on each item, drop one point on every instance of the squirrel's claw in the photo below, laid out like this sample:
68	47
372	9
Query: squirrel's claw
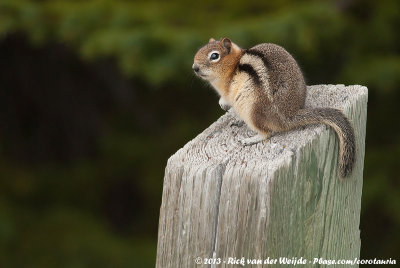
224	107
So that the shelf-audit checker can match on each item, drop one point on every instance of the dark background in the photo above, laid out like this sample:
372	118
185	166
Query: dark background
96	95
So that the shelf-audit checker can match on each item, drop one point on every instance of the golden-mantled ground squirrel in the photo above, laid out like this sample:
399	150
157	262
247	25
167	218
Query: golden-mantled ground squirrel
266	89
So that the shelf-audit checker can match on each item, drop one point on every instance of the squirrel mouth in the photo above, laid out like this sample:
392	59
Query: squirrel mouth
204	76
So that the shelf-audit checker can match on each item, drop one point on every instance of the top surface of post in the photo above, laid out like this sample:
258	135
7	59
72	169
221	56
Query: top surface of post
219	143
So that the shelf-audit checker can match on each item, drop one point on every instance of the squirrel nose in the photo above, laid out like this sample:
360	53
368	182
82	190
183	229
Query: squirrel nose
195	67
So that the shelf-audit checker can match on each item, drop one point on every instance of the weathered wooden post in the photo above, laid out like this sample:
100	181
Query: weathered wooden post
275	199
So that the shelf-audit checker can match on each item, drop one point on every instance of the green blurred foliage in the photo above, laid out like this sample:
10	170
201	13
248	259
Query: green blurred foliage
52	213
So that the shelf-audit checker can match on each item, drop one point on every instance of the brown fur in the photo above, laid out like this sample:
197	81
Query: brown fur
224	68
266	88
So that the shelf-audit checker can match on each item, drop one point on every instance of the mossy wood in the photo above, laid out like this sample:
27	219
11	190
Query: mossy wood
280	198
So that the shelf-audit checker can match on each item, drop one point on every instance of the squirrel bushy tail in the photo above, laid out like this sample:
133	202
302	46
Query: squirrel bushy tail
338	121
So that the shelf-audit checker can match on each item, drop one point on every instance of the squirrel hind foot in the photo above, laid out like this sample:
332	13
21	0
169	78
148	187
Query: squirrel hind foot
255	139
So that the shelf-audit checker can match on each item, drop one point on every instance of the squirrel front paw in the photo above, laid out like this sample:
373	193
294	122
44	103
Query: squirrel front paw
236	123
224	105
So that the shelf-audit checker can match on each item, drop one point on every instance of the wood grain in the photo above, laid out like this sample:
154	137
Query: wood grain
280	198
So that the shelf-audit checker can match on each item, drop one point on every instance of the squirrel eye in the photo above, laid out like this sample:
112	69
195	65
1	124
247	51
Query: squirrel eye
214	56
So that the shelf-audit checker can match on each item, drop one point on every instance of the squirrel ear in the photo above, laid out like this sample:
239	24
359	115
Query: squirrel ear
211	40
226	43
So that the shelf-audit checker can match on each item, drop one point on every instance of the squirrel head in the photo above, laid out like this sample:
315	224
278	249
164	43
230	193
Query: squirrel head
217	59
